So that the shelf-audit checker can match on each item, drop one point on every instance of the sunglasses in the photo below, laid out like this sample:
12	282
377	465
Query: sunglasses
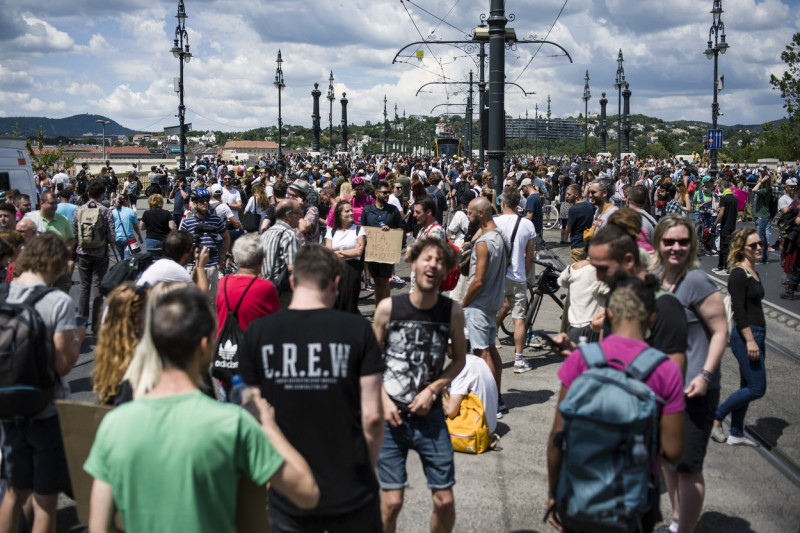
671	242
755	245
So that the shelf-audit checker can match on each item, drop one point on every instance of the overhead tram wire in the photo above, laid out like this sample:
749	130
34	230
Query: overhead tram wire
441	67
441	20
544	39
216	121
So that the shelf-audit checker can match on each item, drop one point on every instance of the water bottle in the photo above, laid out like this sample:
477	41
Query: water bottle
237	390
583	339
639	452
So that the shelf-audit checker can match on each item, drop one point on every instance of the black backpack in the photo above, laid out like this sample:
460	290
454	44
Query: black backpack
226	354
27	356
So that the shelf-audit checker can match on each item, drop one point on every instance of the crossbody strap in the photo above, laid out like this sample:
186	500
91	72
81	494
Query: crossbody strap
593	355
241	298
514	236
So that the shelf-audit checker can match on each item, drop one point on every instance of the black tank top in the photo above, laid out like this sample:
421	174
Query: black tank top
415	347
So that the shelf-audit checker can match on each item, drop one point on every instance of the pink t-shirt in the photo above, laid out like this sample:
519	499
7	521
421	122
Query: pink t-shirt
666	380
358	203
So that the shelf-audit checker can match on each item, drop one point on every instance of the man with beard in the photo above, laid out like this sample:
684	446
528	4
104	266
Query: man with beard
413	329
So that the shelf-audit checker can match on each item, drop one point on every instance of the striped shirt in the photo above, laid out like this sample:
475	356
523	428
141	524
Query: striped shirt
280	245
211	240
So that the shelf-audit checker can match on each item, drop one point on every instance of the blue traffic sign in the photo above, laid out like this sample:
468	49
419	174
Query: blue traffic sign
714	139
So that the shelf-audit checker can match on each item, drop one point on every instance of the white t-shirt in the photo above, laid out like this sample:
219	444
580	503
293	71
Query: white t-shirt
223	211
231	196
586	295
525	232
458	227
478	379
344	240
784	201
163	269
395	201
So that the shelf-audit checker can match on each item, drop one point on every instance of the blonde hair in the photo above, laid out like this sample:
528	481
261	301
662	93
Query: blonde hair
145	367
346	190
262	202
737	247
666	223
156	201
119	334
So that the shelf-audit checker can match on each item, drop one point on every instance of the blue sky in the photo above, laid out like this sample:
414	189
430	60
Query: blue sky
113	58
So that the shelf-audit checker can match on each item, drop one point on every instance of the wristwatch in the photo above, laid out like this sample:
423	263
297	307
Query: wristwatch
708	376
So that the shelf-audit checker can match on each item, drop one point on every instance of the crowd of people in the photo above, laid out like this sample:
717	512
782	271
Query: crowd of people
280	254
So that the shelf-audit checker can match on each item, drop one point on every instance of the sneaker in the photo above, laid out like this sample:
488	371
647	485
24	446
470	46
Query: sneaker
397	280
740	441
536	343
787	295
369	287
499	415
718	434
720	271
521	366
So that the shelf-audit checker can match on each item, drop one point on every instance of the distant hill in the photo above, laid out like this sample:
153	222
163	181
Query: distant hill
74	126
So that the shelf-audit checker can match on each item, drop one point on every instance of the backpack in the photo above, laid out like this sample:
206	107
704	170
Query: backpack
231	336
469	431
26	356
125	270
773	205
438	197
610	445
91	228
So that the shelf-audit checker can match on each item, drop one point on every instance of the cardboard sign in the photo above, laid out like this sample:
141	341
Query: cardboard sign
79	422
383	246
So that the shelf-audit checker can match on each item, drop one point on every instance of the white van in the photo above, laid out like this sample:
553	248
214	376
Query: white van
15	169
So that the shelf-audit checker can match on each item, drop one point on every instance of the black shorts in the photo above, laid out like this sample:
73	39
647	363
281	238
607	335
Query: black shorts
366	519
379	270
698	419
33	456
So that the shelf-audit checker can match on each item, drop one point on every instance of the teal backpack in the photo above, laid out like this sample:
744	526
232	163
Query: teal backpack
610	445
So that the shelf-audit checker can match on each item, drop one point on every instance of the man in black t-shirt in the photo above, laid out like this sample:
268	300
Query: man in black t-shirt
579	219
385	216
726	218
413	330
324	382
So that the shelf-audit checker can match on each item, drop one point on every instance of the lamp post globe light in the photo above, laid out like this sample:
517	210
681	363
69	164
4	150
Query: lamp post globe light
716	45
180	49
331	97
103	123
280	85
619	84
586	96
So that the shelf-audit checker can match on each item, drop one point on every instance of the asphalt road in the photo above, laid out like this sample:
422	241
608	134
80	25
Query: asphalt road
505	490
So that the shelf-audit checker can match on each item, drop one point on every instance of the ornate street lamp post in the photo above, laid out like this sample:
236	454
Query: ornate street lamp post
180	49
619	84
331	97
716	45
344	121
586	96
280	85
315	94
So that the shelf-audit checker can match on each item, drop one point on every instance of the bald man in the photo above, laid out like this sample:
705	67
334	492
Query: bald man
485	286
27	227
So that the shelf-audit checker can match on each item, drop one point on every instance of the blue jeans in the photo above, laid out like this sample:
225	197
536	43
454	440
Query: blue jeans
427	435
764	231
123	252
153	246
753	380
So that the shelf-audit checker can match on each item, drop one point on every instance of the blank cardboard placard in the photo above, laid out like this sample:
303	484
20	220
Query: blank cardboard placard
79	422
383	246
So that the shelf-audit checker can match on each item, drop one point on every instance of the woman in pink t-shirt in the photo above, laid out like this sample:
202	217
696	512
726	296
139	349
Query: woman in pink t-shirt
631	307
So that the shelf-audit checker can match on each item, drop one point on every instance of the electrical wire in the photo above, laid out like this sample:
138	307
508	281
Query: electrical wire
215	121
441	20
542	44
427	45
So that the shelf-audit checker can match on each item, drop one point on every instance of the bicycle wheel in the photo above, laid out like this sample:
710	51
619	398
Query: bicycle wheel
549	216
507	324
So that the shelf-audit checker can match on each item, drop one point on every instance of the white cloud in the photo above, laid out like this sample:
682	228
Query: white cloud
116	60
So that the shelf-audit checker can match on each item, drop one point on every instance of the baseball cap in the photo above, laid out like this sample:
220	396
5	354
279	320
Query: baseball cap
215	190
791	182
525	183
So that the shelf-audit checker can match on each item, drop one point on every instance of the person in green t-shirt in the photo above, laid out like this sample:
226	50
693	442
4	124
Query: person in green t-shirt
171	460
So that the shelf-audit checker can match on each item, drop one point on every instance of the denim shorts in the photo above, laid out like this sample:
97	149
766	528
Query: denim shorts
427	435
33	456
481	327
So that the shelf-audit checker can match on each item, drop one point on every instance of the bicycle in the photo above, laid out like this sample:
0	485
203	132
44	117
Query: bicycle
550	216
545	283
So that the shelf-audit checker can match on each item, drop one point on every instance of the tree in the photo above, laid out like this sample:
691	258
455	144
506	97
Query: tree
787	135
48	158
